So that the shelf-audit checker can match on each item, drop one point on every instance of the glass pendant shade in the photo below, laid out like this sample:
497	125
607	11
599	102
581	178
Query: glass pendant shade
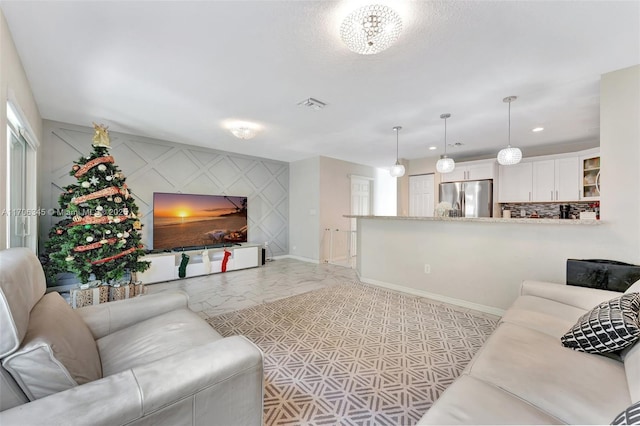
397	170
509	156
445	165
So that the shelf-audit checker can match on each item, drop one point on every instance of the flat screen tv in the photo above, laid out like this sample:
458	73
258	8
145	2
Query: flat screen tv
182	221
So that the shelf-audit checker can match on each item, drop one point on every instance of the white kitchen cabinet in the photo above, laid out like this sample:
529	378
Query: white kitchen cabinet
471	170
567	179
590	176
555	180
515	183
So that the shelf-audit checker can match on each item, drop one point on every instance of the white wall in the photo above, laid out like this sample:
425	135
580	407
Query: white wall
14	85
484	263
620	152
304	207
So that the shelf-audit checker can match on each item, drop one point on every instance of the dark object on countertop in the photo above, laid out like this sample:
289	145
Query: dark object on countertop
602	274
565	211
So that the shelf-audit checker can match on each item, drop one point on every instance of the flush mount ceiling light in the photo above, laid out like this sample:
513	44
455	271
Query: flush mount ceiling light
445	164
243	131
510	155
312	103
371	29
398	169
537	129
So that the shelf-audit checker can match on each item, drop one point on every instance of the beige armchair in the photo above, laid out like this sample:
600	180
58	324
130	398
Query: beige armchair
141	361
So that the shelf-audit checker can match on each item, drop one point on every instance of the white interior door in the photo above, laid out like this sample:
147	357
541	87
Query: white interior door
361	202
421	195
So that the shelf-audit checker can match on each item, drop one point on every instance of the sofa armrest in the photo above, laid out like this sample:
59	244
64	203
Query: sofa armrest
579	297
220	383
106	318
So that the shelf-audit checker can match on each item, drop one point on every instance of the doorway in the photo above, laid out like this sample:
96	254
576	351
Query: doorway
421	195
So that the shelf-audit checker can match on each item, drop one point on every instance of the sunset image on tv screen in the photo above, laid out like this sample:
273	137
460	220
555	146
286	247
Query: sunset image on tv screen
190	220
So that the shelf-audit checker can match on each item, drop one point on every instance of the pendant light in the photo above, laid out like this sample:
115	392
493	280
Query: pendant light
445	164
398	169
510	155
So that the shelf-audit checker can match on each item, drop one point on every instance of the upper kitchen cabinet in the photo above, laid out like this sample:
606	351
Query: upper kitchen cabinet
471	170
515	183
590	175
556	180
553	178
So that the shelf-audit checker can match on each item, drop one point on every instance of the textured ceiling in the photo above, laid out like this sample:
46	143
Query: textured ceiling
181	70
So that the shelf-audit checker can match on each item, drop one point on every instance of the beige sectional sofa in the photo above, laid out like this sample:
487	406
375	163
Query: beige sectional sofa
523	374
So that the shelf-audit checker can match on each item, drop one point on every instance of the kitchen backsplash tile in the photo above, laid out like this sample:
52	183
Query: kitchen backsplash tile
548	210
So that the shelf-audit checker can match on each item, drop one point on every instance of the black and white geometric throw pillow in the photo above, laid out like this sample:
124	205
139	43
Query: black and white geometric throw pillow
630	416
610	326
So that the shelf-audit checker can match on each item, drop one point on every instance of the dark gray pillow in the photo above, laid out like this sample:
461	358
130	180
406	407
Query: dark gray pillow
630	416
609	327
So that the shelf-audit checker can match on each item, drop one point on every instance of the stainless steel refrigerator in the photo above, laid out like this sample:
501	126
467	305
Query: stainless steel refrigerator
469	199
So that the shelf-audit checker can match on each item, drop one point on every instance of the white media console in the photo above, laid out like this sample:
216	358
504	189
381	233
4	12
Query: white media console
164	266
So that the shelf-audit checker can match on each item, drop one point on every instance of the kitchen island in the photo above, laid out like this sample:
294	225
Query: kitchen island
478	263
527	220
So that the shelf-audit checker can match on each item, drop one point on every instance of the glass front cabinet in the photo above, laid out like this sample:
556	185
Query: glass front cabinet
590	175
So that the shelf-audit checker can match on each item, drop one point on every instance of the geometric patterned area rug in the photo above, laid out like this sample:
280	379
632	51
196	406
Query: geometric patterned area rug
356	354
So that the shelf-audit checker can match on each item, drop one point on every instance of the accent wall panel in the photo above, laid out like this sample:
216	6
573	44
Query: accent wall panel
153	165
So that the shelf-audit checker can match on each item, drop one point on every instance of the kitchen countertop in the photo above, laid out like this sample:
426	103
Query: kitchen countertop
487	220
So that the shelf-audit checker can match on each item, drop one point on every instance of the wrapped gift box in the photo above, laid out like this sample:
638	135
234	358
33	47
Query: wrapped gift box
89	296
121	292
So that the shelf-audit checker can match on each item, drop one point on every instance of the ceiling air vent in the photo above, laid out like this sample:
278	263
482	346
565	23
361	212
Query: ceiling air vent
312	103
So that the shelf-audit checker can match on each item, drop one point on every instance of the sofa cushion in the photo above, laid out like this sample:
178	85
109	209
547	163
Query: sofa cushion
153	339
547	316
630	416
472	401
609	327
574	387
58	351
22	284
631	358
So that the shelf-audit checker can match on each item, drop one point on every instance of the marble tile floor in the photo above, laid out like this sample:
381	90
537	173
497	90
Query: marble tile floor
216	294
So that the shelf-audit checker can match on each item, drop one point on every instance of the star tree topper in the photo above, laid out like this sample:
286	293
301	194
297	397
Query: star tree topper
101	136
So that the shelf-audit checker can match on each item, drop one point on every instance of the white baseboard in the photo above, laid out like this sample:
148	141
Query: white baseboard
446	299
303	259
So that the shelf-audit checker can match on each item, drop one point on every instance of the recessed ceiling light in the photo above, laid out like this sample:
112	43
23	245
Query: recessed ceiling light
537	129
433	148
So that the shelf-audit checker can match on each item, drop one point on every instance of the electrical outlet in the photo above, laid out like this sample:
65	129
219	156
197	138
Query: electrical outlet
427	268
266	243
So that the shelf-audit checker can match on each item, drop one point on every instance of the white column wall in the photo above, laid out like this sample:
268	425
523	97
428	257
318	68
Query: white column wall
304	206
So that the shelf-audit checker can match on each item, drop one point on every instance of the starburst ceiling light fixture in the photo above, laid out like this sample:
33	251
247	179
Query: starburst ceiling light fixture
445	164
397	170
510	155
371	29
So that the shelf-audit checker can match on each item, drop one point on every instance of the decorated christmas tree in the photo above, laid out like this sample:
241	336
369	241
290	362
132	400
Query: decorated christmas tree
100	232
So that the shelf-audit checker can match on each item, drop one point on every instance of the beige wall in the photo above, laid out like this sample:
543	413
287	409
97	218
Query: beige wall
14	86
335	202
482	264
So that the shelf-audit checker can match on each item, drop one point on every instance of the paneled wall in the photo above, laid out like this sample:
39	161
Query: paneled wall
152	165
